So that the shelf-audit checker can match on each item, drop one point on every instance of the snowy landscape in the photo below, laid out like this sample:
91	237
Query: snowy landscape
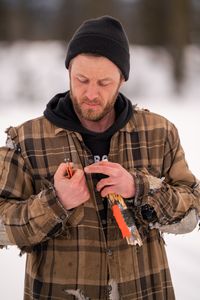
31	73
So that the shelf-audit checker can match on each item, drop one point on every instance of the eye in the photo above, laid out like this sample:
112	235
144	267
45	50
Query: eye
104	82
82	79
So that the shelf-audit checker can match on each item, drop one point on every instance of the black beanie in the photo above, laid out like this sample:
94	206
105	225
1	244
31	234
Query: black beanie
104	36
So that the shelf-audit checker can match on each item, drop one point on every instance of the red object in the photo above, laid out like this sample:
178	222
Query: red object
69	170
120	221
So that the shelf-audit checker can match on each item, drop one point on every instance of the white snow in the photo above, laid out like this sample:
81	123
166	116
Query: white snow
35	72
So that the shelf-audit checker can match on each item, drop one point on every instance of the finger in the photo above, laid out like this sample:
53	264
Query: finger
104	182
100	169
105	163
78	176
108	190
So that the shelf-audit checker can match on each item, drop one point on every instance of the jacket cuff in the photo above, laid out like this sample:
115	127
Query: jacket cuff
72	216
145	185
55	205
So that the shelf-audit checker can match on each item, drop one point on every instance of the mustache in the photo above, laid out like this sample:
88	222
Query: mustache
89	101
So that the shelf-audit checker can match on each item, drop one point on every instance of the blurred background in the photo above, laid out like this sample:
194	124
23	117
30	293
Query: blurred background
164	40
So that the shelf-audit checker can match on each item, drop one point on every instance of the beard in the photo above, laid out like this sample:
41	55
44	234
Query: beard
91	114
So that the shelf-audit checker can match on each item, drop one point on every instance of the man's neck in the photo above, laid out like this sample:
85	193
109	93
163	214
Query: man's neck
101	125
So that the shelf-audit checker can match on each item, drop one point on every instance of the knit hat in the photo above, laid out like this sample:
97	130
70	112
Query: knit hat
104	36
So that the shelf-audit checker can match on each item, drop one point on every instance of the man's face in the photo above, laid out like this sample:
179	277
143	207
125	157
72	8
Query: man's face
94	86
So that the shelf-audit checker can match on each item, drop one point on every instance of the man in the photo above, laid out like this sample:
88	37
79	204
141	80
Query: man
65	223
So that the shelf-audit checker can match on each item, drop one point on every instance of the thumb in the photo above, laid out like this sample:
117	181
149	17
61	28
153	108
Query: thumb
77	175
61	171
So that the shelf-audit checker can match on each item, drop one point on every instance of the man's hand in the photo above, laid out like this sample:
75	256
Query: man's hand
119	180
73	191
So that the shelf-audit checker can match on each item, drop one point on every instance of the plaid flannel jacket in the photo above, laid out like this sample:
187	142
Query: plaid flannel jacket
68	254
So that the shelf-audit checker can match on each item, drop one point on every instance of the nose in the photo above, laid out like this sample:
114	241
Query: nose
92	91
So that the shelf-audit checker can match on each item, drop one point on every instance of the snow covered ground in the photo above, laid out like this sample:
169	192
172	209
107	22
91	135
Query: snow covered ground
35	72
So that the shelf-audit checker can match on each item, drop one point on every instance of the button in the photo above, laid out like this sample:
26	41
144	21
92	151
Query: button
109	252
104	222
110	221
109	288
63	217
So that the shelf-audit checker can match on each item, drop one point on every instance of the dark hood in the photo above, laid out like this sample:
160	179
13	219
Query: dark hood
61	113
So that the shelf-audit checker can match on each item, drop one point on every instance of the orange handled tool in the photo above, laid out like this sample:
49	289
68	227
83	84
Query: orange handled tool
124	219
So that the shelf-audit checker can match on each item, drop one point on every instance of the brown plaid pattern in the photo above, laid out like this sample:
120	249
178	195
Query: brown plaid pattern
69	250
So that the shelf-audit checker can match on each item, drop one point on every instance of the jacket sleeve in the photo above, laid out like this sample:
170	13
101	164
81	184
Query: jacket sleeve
26	219
175	194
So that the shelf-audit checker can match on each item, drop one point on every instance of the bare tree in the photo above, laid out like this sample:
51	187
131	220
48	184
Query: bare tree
166	23
178	34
